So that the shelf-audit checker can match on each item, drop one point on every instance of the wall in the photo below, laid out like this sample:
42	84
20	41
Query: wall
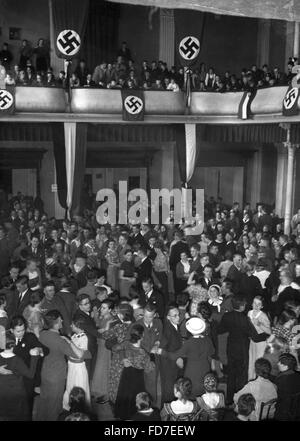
24	180
134	28
32	16
228	42
277	44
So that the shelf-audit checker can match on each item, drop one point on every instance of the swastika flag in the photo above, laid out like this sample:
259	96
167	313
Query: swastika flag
290	102
133	105
189	49
69	21
7	101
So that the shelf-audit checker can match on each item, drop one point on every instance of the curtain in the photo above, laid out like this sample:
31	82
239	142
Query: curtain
181	153
58	137
69	14
275	9
191	150
101	37
70	149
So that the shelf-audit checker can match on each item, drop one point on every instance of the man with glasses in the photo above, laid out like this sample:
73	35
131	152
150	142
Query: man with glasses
171	341
89	327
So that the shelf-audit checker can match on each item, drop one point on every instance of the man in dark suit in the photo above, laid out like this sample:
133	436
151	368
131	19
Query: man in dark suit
178	247
171	341
207	280
235	273
89	327
25	341
240	330
195	253
151	337
68	298
136	237
250	285
144	271
288	385
151	296
230	245
36	251
21	297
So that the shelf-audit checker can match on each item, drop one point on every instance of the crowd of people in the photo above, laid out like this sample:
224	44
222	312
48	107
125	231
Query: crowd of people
123	73
155	322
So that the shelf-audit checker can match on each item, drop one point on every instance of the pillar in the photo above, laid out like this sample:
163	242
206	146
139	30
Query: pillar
56	63
263	41
280	179
167	176
290	176
296	39
167	36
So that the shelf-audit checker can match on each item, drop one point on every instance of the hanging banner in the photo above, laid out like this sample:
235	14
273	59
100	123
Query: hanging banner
290	102
7	101
189	49
244	111
133	105
69	22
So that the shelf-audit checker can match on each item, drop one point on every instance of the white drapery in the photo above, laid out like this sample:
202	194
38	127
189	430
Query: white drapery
190	148
70	145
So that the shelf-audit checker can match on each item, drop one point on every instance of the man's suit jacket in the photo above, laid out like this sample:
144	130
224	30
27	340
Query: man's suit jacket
206	284
21	305
288	384
235	276
240	331
195	264
144	271
69	300
29	341
39	255
156	300
250	286
138	238
171	339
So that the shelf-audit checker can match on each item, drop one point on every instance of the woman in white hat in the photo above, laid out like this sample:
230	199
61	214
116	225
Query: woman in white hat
197	350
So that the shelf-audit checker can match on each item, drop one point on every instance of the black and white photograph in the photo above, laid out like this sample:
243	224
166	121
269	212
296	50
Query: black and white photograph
150	213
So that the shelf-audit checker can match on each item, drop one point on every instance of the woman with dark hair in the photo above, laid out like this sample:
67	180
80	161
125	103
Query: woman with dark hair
113	336
54	371
135	361
99	384
14	404
261	388
77	403
33	314
183	408
261	322
144	410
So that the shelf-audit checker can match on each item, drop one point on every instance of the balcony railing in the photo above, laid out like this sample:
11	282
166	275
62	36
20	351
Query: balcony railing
93	101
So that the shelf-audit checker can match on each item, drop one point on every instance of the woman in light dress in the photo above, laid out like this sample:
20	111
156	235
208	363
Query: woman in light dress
33	314
77	372
262	324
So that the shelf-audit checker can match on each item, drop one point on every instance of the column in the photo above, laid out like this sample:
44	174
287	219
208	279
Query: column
167	179
280	179
263	41
289	184
167	36
289	40
56	63
296	39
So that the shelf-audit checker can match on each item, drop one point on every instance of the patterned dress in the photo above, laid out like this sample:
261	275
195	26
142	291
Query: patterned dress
120	332
132	378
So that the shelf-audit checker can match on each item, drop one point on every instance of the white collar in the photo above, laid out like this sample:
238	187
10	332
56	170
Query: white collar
144	258
7	354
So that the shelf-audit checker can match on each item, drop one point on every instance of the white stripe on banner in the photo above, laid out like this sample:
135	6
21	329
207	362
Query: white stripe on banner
190	148
70	146
245	106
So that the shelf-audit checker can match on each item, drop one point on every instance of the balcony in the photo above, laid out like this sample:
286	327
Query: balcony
103	105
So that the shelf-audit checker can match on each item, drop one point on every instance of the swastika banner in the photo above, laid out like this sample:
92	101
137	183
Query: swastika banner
7	101
133	105
290	102
244	111
69	20
189	49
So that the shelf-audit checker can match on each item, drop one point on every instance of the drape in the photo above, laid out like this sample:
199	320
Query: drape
101	38
275	9
191	150
58	138
70	149
69	14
